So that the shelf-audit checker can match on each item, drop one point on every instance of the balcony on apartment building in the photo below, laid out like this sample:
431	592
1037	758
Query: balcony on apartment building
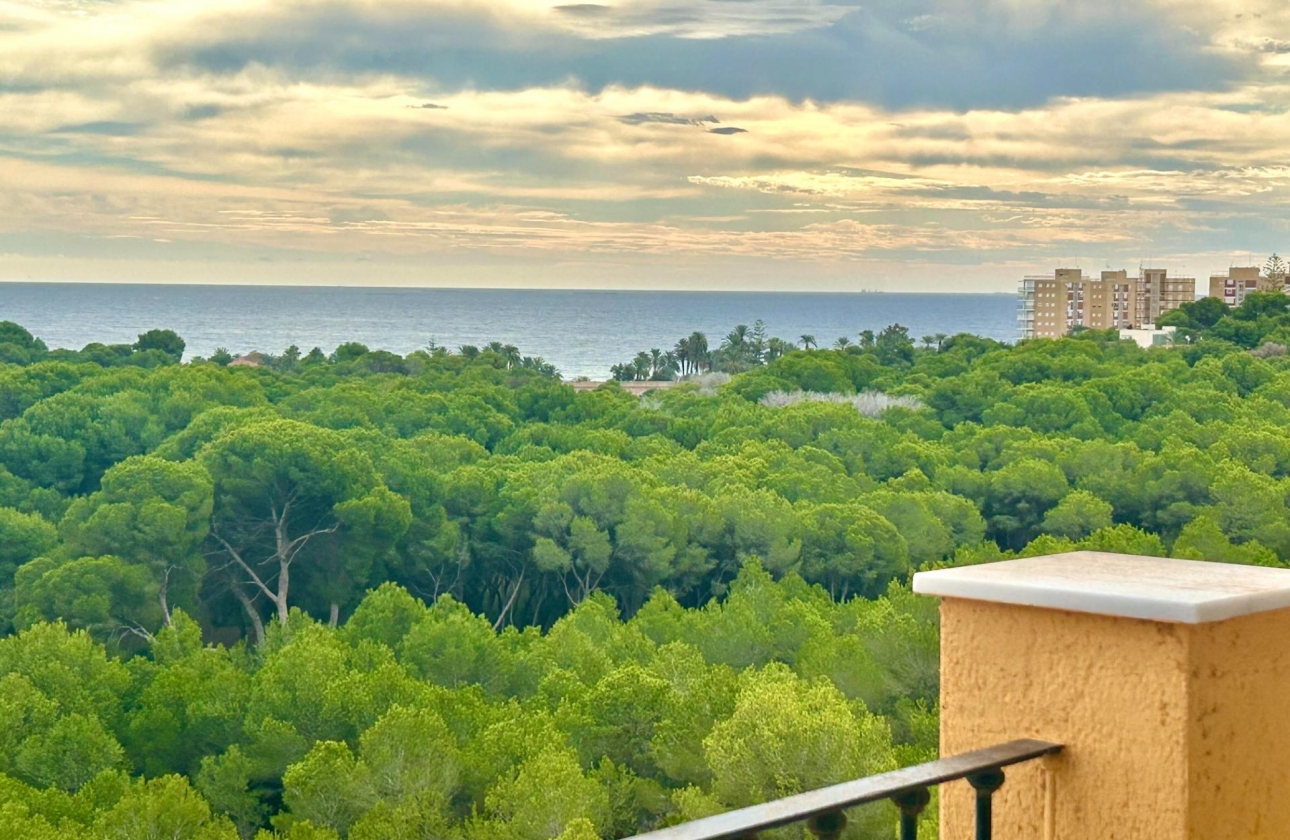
1087	696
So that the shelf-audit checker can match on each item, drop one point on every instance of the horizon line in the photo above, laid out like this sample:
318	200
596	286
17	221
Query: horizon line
492	288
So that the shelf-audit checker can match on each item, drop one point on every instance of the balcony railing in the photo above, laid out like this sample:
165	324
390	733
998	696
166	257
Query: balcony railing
823	809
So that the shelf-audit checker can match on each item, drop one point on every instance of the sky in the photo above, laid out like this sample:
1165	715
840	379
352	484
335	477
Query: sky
814	145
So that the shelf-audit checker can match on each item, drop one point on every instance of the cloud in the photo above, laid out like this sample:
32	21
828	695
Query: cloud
511	170
1276	46
201	112
665	119
897	53
114	128
698	19
585	9
941	130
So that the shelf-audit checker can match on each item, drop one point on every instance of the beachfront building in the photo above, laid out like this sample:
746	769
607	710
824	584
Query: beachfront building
1232	287
1158	293
1053	305
1050	306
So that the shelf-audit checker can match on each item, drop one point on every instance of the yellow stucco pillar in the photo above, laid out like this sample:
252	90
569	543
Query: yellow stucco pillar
1168	682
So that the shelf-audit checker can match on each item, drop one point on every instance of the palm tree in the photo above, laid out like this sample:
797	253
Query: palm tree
737	352
682	353
940	340
670	364
641	366
737	337
809	342
655	362
512	355
732	348
842	343
699	351
470	351
928	341
539	365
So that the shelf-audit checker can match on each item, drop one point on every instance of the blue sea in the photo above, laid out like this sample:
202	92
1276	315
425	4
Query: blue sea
581	332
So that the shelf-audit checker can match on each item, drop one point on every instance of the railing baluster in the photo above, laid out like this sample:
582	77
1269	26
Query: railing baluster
985	784
827	826
824	809
911	804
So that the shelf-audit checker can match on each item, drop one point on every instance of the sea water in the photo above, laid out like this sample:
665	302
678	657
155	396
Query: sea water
581	332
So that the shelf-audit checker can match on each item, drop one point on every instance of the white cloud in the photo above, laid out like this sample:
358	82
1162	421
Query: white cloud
97	141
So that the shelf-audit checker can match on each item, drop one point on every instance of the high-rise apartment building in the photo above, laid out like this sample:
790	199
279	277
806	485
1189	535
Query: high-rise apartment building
1051	306
1158	293
1232	287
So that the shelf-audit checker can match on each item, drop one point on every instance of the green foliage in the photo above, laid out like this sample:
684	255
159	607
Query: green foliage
328	787
18	346
226	782
444	595
165	341
411	752
1019	496
852	545
525	808
72	751
23	538
164	807
1261	317
786	736
153	513
289	493
191	706
1077	515
328	732
1203	539
105	595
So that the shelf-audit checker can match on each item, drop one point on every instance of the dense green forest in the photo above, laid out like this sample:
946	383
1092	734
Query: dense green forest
445	596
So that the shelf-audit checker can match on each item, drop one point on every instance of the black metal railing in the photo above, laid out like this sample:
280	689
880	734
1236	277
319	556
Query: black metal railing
824	809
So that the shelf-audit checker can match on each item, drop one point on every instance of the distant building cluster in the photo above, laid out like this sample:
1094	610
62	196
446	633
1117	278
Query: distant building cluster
1053	305
1050	306
1233	286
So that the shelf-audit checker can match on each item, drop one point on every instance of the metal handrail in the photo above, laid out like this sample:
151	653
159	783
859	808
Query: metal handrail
906	787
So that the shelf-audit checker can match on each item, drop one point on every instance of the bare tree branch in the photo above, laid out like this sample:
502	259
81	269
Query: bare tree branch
515	591
255	579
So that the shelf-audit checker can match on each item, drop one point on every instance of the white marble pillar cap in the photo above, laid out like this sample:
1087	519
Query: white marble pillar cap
1124	585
